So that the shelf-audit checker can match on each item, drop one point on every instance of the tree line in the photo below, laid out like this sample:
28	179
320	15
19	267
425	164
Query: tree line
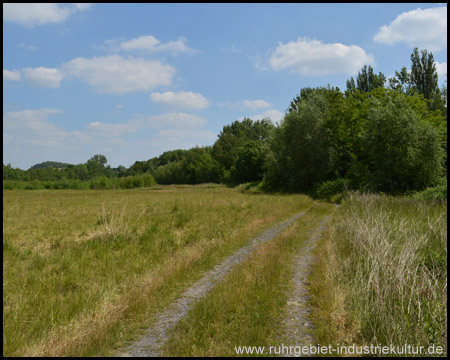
379	135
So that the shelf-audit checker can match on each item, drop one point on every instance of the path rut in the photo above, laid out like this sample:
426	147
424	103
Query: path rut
298	328
157	334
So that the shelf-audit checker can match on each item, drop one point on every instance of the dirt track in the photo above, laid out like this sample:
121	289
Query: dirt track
157	334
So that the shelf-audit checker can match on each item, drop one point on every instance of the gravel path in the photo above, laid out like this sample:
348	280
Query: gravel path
297	327
156	335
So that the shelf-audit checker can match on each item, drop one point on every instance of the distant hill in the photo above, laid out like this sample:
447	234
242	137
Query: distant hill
53	164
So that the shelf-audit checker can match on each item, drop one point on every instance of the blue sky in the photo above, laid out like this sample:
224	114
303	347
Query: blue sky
131	81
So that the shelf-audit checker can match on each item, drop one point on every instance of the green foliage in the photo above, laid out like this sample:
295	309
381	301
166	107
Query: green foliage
96	165
53	164
402	152
234	136
329	189
437	193
249	163
424	76
301	152
366	80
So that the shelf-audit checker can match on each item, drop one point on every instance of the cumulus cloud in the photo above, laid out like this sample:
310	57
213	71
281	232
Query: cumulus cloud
275	115
426	29
110	130
255	104
34	121
182	99
441	69
42	76
151	44
34	14
11	75
312	57
117	75
247	104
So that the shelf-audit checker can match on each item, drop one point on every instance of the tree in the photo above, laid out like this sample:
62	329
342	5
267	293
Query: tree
301	154
424	76
401	81
366	80
249	163
96	165
234	136
401	151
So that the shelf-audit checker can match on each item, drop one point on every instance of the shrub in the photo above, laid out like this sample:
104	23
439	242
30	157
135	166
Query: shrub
329	189
437	193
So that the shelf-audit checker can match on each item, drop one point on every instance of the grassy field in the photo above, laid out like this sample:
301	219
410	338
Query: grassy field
381	277
85	271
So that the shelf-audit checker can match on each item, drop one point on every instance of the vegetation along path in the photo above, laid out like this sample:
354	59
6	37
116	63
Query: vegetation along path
157	334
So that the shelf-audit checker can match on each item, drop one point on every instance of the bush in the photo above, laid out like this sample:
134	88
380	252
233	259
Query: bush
99	182
329	189
437	193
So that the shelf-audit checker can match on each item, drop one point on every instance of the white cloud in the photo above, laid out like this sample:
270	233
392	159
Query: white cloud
116	75
275	115
27	47
110	130
41	76
441	69
151	44
82	6
247	104
34	121
312	57
231	49
426	29
33	14
182	99
11	75
255	104
176	120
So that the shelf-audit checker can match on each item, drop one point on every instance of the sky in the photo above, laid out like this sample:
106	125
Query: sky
131	81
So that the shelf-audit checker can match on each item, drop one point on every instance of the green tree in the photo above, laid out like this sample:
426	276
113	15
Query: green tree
96	165
234	136
424	76
367	80
402	152
249	163
301	154
401	81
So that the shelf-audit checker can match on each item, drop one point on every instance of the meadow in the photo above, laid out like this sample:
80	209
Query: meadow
84	271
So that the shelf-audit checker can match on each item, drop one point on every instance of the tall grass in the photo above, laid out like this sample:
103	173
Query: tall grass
382	273
84	270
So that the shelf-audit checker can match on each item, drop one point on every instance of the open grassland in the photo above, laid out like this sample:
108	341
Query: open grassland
381	277
85	271
246	309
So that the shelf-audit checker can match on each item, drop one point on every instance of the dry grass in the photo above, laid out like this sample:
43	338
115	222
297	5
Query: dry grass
382	277
84	271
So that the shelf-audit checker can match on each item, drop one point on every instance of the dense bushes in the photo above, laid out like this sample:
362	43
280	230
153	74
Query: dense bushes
100	182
